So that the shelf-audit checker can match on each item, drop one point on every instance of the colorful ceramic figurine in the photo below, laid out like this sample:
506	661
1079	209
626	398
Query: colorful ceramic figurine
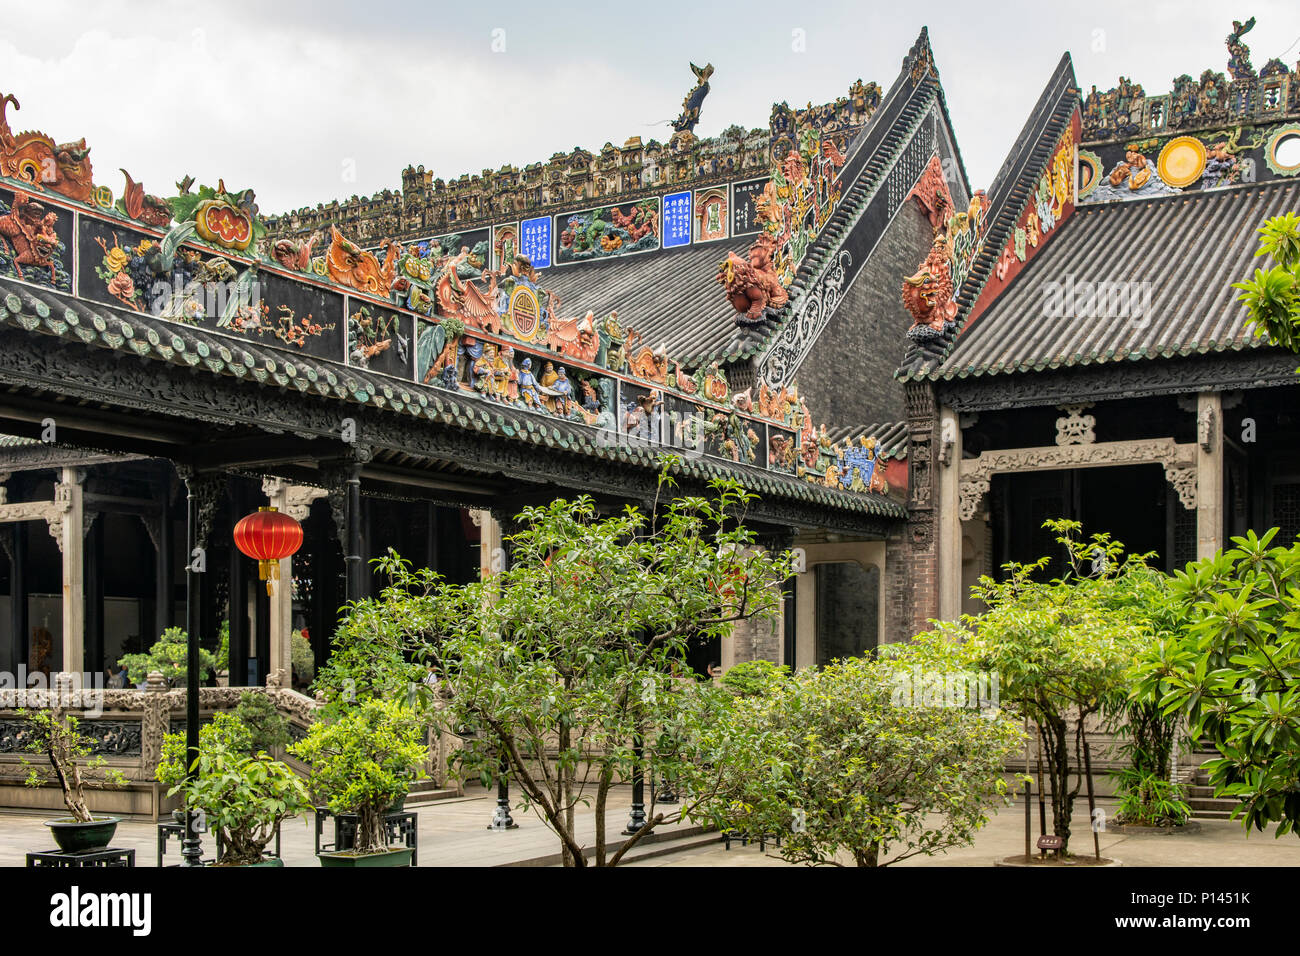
560	392
528	391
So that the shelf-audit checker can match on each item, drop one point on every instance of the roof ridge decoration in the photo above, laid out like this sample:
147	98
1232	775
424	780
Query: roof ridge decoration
425	206
1127	111
1207	133
1031	195
894	160
929	293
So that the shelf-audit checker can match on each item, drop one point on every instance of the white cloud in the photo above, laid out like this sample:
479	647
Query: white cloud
278	97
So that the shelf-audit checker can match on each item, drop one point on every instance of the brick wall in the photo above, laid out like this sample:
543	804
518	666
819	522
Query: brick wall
896	590
848	377
921	549
758	639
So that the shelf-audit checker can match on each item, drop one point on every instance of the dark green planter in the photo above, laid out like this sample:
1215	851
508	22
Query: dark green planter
74	837
266	861
394	857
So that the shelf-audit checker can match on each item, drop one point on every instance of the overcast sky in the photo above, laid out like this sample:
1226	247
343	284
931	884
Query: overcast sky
307	102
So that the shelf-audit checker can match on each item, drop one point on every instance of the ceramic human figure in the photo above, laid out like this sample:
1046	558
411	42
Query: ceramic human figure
481	374
563	389
527	385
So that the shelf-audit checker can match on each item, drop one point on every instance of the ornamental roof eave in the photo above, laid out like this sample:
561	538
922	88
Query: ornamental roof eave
78	322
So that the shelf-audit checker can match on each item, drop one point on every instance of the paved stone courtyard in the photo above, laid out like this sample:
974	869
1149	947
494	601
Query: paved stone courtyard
454	833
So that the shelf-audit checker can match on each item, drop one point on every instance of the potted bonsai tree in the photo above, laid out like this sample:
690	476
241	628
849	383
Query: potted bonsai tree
362	762
168	656
70	753
267	727
243	797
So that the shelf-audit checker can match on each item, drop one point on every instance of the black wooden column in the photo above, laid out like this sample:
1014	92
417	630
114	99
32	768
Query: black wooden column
18	597
431	536
164	595
356	568
238	602
202	497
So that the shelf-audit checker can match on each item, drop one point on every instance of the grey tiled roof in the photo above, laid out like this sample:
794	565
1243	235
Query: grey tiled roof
672	298
1187	250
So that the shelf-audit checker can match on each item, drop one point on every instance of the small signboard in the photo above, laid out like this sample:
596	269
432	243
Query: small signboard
1050	842
535	241
744	210
677	220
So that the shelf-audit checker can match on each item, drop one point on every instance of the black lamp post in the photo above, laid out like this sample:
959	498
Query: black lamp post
191	845
501	819
636	819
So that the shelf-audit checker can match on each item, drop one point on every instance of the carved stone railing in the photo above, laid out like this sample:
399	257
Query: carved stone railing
127	727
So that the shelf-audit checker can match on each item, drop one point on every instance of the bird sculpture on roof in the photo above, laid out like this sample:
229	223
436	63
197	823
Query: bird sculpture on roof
694	99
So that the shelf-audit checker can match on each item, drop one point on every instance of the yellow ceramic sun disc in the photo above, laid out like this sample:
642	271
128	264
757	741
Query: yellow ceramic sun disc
1182	161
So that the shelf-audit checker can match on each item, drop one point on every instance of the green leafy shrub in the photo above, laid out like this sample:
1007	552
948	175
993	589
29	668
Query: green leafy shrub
1149	800
830	762
749	678
169	655
1272	295
1062	649
304	659
225	732
568	657
222	663
363	761
1234	672
267	728
241	796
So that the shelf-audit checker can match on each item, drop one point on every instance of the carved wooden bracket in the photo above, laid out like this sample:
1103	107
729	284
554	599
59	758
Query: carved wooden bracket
1179	462
1074	427
298	498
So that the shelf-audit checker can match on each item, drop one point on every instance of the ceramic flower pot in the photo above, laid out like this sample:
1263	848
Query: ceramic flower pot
398	856
73	836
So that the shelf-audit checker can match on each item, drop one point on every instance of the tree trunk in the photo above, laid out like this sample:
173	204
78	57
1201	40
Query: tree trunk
370	831
1055	735
868	857
566	790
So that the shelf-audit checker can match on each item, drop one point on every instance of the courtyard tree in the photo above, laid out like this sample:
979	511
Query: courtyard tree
567	667
241	795
1148	733
843	762
1061	648
363	761
1234	671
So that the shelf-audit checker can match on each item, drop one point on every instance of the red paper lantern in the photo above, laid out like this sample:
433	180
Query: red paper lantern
268	537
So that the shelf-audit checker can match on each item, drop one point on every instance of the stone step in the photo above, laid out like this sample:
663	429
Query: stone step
1211	814
1211	803
656	844
421	797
